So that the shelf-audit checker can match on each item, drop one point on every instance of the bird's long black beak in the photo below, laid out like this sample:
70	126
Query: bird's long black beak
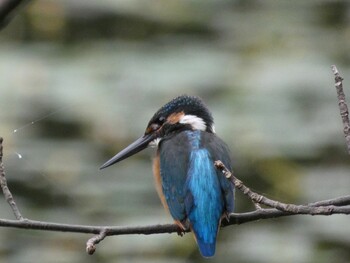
138	145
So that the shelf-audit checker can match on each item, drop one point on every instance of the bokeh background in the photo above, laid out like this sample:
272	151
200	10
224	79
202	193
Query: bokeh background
80	80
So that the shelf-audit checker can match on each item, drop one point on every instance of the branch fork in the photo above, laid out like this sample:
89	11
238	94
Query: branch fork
92	242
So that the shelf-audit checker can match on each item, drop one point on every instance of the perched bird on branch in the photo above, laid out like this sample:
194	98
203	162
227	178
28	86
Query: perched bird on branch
196	194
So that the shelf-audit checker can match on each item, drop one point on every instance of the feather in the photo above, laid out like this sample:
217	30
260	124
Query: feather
194	190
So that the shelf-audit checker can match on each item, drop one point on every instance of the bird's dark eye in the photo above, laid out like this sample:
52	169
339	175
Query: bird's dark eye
154	126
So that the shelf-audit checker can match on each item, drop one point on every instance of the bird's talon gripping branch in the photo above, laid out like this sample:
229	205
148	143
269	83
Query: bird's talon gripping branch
180	232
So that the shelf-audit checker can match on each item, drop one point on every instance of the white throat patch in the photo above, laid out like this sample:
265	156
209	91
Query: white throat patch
154	143
197	123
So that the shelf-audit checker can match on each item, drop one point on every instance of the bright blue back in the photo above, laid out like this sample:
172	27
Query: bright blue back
204	204
192	186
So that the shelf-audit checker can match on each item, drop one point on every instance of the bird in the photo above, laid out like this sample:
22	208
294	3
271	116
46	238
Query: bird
197	195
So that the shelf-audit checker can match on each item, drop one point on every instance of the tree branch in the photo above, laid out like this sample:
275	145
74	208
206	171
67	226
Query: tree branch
288	208
92	242
234	219
340	205
5	189
344	112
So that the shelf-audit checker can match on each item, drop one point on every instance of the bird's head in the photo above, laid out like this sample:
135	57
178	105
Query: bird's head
182	113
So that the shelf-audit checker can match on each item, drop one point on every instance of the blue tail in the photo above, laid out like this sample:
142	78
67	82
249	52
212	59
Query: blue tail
204	202
206	249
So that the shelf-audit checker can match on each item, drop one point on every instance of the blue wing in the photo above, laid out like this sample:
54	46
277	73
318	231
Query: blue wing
219	151
211	192
174	154
193	188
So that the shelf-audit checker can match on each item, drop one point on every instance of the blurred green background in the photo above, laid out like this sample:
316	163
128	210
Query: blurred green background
80	80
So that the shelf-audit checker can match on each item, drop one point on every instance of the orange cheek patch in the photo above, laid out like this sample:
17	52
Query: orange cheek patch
175	117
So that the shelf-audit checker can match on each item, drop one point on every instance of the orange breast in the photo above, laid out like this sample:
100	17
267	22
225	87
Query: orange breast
158	181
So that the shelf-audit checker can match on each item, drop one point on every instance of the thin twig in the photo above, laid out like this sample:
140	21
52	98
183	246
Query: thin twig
344	112
339	201
92	242
6	191
288	208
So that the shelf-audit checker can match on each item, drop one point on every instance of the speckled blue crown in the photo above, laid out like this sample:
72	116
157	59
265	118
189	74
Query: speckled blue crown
190	105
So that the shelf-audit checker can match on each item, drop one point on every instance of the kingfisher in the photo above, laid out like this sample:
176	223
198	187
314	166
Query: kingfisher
197	195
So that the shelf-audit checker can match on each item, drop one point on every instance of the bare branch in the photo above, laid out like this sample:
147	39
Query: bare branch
92	242
235	218
288	208
5	189
344	112
339	201
110	230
